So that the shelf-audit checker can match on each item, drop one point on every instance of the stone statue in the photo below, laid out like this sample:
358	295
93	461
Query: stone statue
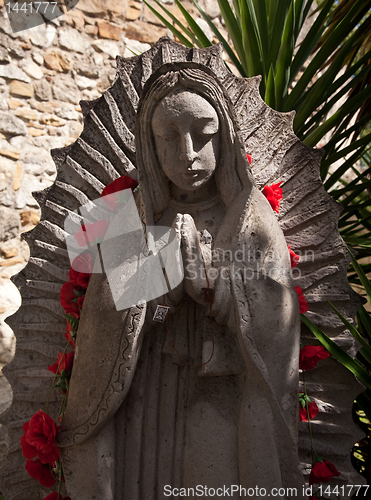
208	398
234	419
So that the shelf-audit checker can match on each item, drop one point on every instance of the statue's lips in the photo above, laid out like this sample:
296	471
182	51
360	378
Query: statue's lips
192	174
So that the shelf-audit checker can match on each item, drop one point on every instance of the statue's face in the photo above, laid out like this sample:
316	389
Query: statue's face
186	131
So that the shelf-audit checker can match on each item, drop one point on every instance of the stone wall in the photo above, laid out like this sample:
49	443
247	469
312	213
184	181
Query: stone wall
44	73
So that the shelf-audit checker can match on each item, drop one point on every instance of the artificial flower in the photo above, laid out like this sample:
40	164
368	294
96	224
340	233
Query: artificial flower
69	297
41	472
92	233
303	304
322	471
81	269
249	158
39	438
310	355
312	408
294	258
273	194
64	363
56	496
108	194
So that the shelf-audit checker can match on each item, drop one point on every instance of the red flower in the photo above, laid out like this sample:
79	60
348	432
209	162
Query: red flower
92	233
310	355
39	438
56	496
273	194
69	297
113	200
322	472
303	304
64	363
312	408
293	257
41	472
81	269
249	158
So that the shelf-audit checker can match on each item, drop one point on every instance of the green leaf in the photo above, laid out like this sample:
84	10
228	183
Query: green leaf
221	38
351	364
282	76
277	17
364	280
250	41
172	28
204	41
270	95
234	30
365	320
354	332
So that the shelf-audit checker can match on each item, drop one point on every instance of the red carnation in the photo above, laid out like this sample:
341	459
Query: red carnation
41	472
312	408
64	363
294	258
273	194
249	158
92	233
310	355
322	471
81	269
120	184
303	304
39	438
69	297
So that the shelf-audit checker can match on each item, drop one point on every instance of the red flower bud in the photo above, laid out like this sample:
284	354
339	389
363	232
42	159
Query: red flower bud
39	438
273	194
69	298
310	355
41	472
294	258
91	233
322	472
303	304
64	363
81	269
124	182
249	158
312	409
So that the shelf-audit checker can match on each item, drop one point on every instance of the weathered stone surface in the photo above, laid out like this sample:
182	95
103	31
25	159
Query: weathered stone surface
13	73
8	252
35	132
91	29
57	60
43	90
72	40
108	47
144	32
109	30
74	18
11	125
31	69
6	174
38	58
15	103
9	227
88	69
44	107
101	6
42	35
69	112
4	56
85	83
133	47
66	90
29	217
26	113
14	154
211	8
52	120
20	89
17	177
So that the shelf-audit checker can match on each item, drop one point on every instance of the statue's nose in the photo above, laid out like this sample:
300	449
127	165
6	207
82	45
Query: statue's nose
187	154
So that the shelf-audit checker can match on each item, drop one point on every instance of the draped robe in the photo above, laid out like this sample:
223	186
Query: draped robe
139	419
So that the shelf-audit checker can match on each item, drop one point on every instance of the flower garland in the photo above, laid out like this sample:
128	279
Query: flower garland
40	432
321	470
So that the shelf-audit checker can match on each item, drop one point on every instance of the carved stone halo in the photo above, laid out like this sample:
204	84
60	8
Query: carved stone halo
105	151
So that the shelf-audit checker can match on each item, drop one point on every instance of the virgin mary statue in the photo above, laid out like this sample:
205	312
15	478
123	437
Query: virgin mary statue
205	403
